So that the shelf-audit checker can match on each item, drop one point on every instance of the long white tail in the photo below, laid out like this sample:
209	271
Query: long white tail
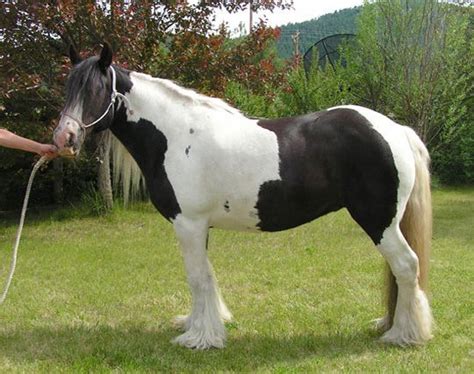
416	225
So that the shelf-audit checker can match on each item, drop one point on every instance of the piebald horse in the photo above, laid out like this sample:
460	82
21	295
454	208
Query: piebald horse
207	165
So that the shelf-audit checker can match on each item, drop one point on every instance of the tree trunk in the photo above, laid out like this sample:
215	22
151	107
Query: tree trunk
103	171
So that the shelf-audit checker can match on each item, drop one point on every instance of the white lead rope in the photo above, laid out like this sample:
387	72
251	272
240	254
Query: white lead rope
40	162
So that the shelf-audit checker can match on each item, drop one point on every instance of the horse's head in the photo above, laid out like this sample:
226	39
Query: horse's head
89	100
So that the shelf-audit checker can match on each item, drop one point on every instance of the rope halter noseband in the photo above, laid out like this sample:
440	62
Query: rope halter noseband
113	98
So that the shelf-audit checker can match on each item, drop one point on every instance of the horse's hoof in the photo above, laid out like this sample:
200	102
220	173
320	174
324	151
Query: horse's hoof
199	340
395	336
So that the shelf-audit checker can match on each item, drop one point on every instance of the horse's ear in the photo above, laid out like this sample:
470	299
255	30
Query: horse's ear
73	55
105	57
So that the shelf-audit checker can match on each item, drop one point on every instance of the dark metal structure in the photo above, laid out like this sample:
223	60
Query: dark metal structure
326	50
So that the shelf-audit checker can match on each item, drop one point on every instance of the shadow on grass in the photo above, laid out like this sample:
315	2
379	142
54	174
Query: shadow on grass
142	348
68	212
36	215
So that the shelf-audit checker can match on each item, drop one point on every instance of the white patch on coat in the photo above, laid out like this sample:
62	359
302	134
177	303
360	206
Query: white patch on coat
217	159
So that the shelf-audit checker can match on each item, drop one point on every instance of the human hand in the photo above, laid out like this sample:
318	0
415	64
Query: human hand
49	150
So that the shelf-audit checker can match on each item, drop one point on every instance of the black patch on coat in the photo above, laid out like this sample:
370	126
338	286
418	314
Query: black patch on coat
187	150
191	131
329	160
148	146
124	83
227	206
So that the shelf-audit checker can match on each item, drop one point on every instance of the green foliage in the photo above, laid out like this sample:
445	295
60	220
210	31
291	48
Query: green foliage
413	61
93	201
251	104
318	90
453	160
297	94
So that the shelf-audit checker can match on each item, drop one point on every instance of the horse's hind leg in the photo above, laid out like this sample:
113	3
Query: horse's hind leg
412	319
204	327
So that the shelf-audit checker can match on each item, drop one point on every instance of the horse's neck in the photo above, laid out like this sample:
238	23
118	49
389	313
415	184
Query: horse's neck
160	112
171	107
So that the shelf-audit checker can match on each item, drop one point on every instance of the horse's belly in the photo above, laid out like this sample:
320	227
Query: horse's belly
282	205
235	214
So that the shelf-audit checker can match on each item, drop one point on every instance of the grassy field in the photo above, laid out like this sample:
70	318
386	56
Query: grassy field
98	294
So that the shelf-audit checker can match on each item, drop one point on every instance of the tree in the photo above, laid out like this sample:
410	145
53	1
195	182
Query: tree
171	39
413	61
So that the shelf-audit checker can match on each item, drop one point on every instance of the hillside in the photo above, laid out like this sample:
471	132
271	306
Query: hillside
342	21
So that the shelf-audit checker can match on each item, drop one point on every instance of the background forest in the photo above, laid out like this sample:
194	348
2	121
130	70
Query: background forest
411	60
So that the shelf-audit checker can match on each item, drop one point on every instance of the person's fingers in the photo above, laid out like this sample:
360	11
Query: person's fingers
48	149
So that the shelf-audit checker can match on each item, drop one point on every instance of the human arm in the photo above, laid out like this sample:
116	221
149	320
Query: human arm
11	140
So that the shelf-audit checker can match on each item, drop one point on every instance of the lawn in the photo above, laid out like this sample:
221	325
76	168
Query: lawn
98	294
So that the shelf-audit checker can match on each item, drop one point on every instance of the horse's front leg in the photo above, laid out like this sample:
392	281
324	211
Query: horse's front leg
204	327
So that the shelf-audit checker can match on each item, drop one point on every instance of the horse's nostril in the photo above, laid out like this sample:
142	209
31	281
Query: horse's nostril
70	139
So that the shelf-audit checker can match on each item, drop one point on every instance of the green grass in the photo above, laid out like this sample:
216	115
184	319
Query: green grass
98	294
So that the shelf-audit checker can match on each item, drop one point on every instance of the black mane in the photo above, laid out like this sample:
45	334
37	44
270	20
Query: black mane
85	78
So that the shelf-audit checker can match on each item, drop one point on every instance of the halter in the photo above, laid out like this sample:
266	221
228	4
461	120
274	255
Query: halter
113	97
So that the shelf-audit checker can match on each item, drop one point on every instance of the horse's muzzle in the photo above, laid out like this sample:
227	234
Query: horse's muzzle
68	137
68	152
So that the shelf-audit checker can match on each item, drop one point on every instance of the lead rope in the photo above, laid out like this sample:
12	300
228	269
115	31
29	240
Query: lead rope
40	162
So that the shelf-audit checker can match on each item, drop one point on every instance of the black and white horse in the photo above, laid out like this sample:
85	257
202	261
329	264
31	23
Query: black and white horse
207	165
